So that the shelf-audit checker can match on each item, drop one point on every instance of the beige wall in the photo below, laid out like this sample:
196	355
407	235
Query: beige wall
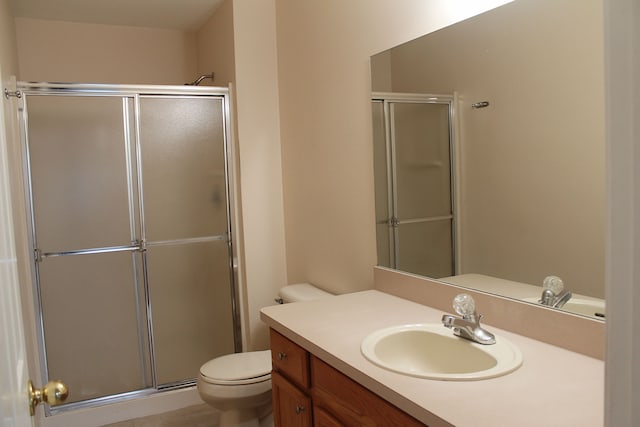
8	53
323	59
258	139
55	51
532	173
215	48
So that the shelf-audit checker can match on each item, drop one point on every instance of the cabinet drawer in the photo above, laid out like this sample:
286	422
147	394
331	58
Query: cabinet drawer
290	360
350	403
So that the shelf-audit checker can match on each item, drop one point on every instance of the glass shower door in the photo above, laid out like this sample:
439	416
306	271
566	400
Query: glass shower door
412	162
422	153
385	232
87	263
131	234
186	231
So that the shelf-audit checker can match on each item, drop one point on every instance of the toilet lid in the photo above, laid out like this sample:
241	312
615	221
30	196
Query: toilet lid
238	368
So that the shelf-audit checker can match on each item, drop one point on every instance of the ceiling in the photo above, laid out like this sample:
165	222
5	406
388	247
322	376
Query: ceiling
186	15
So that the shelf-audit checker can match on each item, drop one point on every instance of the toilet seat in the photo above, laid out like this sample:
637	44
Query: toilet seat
238	368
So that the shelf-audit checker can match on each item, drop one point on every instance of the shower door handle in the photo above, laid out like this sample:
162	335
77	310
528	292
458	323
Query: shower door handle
137	246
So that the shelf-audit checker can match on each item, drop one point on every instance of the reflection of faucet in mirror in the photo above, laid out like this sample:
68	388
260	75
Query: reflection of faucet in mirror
469	325
554	294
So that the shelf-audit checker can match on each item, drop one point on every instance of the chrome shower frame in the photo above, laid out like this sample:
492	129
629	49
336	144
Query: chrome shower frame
131	97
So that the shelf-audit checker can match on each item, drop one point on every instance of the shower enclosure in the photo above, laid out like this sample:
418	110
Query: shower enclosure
413	172
128	189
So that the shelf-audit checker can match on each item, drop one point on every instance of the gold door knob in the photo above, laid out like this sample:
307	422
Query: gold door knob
54	393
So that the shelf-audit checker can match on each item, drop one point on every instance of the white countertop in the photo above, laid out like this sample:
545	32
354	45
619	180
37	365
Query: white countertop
553	387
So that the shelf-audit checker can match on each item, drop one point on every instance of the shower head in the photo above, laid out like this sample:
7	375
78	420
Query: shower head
200	79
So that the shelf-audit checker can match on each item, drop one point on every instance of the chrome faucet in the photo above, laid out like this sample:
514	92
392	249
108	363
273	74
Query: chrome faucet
467	326
554	294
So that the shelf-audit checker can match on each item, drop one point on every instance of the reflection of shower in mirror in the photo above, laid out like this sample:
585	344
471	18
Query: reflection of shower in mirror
518	149
482	104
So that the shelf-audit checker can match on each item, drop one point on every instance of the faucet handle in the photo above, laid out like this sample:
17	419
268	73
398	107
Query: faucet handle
464	305
554	284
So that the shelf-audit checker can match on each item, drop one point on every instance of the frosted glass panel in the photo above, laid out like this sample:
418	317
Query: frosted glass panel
384	246
78	168
191	299
90	313
86	165
380	172
183	168
380	162
422	159
425	248
413	183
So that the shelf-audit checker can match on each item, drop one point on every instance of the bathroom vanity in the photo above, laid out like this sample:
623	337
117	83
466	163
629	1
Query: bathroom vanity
304	385
321	378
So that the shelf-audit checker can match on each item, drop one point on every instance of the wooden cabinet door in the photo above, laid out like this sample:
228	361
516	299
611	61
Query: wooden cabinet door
322	418
291	407
351	403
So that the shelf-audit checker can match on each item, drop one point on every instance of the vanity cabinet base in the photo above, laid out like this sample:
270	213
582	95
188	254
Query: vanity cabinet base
351	403
325	397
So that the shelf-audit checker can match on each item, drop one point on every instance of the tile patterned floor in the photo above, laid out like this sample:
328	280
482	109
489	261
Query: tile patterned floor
191	416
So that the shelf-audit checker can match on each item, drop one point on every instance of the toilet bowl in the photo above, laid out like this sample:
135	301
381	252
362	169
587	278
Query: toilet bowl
239	384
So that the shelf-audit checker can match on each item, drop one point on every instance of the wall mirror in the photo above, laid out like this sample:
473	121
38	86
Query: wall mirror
489	153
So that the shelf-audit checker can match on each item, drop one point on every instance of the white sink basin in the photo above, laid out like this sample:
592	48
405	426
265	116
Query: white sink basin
432	351
582	306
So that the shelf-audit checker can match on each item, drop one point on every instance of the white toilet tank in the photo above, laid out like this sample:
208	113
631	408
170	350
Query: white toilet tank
301	292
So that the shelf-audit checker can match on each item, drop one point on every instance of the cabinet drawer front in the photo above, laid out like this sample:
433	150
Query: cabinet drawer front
290	359
350	402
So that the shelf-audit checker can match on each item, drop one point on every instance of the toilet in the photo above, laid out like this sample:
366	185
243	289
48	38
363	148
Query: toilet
239	384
